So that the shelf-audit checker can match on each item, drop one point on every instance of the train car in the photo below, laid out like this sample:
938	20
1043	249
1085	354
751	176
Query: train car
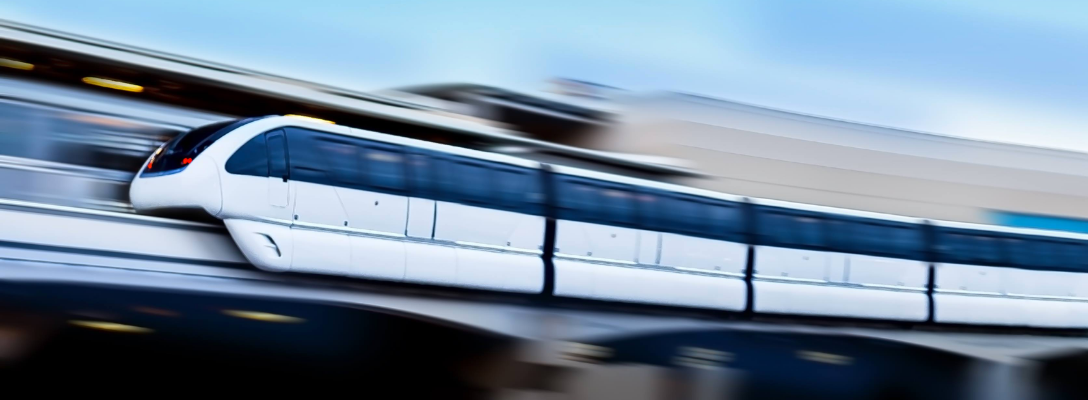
303	196
1009	276
320	198
626	239
814	260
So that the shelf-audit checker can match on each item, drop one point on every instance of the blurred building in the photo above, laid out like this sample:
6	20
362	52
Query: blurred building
78	114
762	152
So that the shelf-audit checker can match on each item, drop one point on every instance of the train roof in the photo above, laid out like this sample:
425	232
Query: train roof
286	121
1012	230
837	211
585	173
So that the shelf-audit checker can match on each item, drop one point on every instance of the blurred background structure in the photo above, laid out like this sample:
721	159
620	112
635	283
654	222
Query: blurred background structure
79	115
54	122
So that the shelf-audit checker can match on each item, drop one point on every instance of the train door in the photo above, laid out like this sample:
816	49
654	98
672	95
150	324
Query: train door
278	189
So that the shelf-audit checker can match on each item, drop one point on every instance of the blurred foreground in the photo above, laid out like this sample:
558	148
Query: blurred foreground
55	341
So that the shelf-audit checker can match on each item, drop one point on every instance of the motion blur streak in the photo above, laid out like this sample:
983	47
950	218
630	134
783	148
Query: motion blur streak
110	326
312	119
112	84
263	316
9	63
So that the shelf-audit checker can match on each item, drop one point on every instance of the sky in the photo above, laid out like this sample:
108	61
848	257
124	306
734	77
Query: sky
999	70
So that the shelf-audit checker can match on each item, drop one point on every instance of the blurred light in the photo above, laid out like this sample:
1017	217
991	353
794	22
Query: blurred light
312	119
384	157
186	161
585	353
112	84
9	63
155	311
826	358
110	326
263	316
158	151
694	357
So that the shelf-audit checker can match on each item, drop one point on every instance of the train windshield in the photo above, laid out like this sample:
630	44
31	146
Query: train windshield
183	149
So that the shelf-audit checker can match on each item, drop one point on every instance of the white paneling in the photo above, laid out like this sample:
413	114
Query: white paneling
651	286
700	253
377	258
838	267
792	281
647	247
457	222
792	263
887	271
247	197
374	211
320	252
268	246
969	278
420	217
597	241
815	299
427	263
500	271
278	191
1009	299
1045	283
318	204
997	310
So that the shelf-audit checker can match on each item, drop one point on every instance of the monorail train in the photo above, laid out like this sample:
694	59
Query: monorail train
303	196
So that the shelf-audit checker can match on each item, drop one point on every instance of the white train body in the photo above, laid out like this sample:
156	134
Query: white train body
319	198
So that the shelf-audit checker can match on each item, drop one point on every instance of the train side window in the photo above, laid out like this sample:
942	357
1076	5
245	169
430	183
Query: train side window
905	240
969	248
340	159
846	235
277	154
1025	253
987	249
792	230
593	201
518	189
384	168
617	205
723	219
652	214
1045	253
1059	255
685	215
1075	256
808	231
576	200
250	159
876	238
688	215
307	161
1053	255
474	182
421	175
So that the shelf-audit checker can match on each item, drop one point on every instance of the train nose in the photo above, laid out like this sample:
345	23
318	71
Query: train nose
194	187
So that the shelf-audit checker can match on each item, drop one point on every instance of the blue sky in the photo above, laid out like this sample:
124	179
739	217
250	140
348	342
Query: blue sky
998	70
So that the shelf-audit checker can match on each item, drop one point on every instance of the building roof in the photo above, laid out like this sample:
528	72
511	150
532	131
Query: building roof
259	84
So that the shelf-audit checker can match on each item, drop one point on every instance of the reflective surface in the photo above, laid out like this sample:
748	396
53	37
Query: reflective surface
68	148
